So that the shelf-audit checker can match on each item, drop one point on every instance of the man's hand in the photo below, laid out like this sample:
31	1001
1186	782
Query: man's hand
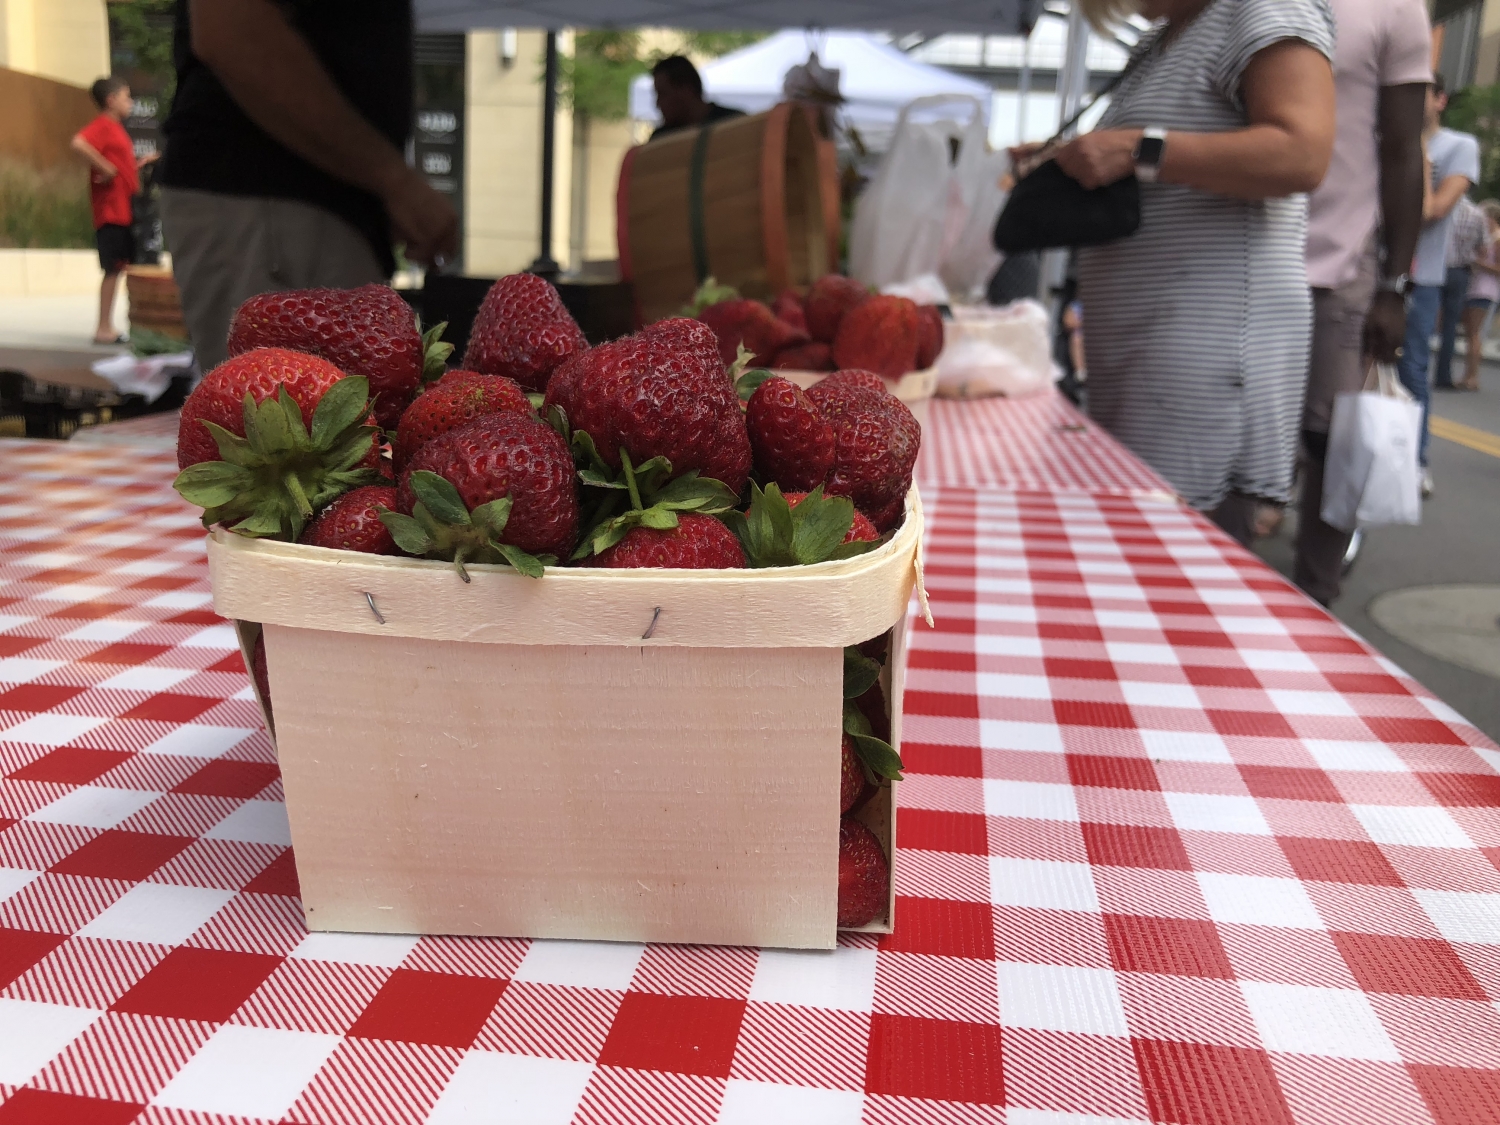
421	218
1385	327
1101	157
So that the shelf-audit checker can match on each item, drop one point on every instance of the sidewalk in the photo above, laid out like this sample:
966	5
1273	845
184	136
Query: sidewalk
64	323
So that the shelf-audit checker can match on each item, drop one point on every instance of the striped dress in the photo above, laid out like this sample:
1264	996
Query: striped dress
1199	325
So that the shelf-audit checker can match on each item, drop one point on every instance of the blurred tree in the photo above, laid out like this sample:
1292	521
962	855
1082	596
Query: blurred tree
1476	110
595	79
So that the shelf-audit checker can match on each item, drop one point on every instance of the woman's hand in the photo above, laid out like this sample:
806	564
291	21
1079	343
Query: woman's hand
1101	157
1025	158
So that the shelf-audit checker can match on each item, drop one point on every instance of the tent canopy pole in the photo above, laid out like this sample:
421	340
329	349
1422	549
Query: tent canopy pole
545	263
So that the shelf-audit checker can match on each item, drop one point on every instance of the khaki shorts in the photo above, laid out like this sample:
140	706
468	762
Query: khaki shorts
1338	353
227	248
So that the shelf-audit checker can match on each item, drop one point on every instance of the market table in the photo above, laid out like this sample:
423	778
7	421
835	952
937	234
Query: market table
1175	847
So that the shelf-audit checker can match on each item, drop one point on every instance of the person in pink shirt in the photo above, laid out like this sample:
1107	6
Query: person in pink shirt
1362	228
1484	292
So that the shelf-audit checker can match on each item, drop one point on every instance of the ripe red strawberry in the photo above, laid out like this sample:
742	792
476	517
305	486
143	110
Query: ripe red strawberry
368	331
861	531
696	543
879	335
220	397
864	875
792	443
830	297
662	392
522	331
929	336
753	324
825	391
851	777
506	455
458	397
804	357
788	308
352	522
876	440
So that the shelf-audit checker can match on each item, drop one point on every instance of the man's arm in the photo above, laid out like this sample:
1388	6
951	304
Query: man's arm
94	157
273	75
1402	199
1445	197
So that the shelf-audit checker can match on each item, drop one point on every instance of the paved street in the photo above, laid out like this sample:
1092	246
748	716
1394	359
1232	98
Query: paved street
1458	543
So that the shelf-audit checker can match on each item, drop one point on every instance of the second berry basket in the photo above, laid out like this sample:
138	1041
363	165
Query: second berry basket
629	755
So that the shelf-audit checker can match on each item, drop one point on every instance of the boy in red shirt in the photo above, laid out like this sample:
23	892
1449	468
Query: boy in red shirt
104	143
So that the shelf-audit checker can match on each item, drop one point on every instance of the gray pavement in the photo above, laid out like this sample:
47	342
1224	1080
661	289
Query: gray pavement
1458	543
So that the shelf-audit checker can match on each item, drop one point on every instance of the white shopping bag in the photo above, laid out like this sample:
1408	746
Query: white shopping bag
1371	476
914	210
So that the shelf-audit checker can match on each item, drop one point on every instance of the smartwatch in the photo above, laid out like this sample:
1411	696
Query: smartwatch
1148	155
1398	285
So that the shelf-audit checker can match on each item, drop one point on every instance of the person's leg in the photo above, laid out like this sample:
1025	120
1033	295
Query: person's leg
1473	322
104	332
1236	516
1455	291
311	247
1416	353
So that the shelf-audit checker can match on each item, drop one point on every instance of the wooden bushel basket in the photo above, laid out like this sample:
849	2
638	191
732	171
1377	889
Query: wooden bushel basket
751	201
634	755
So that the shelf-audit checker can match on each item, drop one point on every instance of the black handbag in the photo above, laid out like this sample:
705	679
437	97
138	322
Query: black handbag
1048	209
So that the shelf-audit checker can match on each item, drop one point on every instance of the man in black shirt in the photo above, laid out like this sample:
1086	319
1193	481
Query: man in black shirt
679	97
284	163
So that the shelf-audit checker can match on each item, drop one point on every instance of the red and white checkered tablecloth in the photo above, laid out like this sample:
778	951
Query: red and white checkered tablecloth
1176	848
1037	442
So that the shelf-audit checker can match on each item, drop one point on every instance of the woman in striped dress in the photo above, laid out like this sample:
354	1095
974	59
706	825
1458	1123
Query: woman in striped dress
1199	324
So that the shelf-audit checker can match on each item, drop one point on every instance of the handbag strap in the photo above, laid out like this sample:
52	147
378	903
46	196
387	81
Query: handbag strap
1130	67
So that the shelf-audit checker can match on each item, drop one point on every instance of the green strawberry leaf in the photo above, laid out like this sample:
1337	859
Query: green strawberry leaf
294	424
779	513
435	352
709	293
855	722
529	565
854	549
343	405
860	673
879	756
232	448
583	446
742	358
212	483
407	532
819	524
440	498
693	493
557	418
748	383
594	478
271	434
263	524
659	519
537	399
492	517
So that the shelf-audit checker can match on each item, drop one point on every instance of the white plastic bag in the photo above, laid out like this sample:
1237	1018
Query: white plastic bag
1371	475
997	352
971	259
914	210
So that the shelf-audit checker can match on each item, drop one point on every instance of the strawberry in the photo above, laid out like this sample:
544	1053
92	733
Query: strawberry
752	323
698	542
804	357
458	397
929	336
775	533
876	440
792	443
368	331
851	776
827	301
499	488
270	437
788	309
864	875
860	531
352	522
827	390
662	392
522	331
879	335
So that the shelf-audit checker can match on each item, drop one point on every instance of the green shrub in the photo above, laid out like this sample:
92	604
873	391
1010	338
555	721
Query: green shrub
44	210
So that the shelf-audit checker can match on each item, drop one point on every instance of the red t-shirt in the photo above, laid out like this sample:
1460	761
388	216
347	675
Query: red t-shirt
111	198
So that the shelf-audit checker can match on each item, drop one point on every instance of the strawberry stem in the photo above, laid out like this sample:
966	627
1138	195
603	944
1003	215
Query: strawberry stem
630	485
299	497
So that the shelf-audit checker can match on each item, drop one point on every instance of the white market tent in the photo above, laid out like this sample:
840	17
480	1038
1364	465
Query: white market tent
875	78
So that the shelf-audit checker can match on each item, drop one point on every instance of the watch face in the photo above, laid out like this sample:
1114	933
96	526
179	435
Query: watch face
1149	150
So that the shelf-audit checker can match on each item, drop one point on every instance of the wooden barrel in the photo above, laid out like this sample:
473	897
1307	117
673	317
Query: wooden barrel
154	300
751	201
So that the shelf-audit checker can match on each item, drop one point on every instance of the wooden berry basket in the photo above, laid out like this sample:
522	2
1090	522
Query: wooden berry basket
915	388
632	755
